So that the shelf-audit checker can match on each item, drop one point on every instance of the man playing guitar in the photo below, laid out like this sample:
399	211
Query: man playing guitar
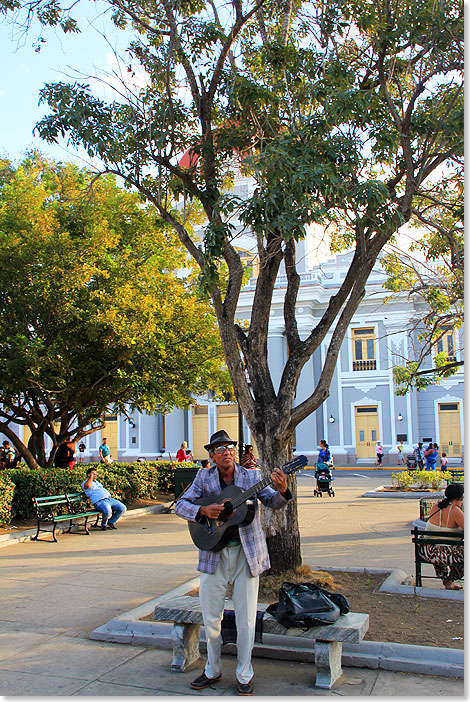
239	562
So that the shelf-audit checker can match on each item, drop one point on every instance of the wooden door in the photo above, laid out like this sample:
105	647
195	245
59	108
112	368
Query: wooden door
200	432
110	431
367	431
227	418
449	429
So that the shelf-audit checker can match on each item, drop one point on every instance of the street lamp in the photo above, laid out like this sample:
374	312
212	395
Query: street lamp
331	419
400	416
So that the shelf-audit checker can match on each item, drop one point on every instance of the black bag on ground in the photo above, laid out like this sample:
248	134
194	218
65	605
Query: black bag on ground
305	604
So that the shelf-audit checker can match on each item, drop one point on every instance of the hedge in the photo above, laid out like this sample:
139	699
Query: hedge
6	498
125	481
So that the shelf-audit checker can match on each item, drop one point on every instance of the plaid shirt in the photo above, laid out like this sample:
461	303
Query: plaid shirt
207	484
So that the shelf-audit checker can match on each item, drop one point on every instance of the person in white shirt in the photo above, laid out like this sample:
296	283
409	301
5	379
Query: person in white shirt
100	498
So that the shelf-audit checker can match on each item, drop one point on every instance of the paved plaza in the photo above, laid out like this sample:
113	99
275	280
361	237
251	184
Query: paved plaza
54	595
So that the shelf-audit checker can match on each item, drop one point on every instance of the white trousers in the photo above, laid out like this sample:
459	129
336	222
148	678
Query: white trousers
232	568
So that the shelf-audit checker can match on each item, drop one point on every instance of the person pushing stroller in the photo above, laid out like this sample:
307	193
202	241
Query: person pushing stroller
323	472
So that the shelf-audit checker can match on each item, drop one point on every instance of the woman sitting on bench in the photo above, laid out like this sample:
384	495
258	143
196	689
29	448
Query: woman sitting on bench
447	517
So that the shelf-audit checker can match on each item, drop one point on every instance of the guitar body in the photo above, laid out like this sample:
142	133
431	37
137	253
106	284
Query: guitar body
213	534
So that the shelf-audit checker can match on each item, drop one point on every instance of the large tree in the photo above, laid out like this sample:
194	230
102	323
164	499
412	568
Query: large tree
342	110
93	317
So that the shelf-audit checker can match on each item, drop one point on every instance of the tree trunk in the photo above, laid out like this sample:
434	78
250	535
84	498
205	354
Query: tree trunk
281	526
36	445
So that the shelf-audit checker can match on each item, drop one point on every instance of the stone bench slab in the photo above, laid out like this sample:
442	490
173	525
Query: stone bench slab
185	612
350	627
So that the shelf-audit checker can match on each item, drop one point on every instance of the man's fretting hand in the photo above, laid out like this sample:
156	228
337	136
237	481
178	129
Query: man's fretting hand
279	480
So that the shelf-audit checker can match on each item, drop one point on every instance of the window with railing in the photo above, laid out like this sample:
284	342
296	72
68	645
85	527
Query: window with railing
363	347
446	344
249	260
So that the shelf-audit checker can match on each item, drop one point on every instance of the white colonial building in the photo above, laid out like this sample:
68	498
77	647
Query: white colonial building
362	407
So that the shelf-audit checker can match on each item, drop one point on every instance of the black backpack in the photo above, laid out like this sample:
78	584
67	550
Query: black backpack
305	604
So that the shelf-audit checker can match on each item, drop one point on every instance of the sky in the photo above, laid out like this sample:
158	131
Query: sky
25	72
63	57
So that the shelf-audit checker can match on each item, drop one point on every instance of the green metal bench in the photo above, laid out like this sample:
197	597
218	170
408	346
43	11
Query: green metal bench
457	476
58	510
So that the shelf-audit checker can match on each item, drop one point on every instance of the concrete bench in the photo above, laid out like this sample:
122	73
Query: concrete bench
185	613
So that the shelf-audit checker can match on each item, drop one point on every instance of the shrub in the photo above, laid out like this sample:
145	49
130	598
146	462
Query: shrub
125	481
7	488
422	479
429	478
404	479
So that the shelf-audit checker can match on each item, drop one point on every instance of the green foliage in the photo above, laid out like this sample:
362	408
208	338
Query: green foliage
93	316
343	112
432	275
7	488
421	479
404	479
125	482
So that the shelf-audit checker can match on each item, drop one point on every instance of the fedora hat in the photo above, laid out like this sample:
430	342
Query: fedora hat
219	437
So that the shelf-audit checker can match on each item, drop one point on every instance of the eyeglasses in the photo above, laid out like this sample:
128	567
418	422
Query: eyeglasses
225	447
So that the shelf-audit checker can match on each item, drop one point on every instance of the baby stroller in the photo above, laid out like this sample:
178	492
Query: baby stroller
411	462
323	476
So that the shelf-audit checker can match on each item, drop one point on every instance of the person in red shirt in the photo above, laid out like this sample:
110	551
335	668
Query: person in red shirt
184	454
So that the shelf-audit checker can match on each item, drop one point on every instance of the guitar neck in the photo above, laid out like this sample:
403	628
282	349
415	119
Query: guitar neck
251	492
287	469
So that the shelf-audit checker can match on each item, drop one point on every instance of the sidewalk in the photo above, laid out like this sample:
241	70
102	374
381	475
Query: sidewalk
55	594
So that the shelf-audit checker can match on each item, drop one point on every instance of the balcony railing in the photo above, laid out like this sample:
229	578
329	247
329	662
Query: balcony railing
364	365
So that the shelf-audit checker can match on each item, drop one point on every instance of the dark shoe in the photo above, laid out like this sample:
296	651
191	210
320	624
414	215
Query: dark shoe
112	526
103	527
203	681
244	688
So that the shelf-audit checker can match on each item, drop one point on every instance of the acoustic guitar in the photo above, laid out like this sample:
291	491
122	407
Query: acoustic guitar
213	534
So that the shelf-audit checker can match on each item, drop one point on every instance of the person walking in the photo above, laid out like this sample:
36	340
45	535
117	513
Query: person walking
379	452
431	455
419	455
101	499
104	451
81	450
239	563
400	457
324	455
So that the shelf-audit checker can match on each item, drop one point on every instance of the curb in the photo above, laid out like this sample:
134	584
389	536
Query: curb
402	495
25	535
426	660
393	584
